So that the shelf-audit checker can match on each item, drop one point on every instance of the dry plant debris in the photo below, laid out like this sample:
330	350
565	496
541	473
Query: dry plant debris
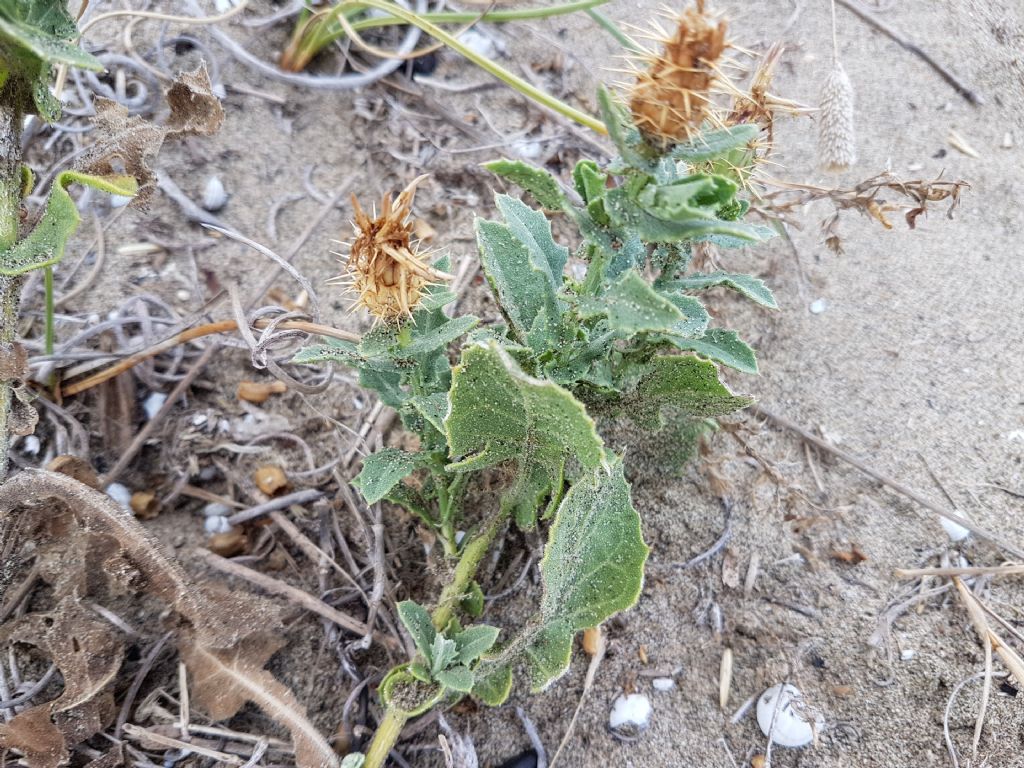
89	547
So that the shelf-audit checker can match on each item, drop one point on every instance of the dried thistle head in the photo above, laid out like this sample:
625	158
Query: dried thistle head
672	94
384	266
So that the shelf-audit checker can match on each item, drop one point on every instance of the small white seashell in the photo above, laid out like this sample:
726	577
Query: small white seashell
152	404
955	531
214	195
120	494
216	509
480	43
30	445
630	714
663	684
818	306
783	703
216	524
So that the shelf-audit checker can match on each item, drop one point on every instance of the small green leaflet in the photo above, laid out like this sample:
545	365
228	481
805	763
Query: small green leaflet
44	246
436	338
416	619
724	347
710	144
592	568
538	182
474	642
499	414
385	469
748	285
457	678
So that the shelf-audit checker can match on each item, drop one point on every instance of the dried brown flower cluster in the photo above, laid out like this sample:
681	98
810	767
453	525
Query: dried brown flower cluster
671	97
384	266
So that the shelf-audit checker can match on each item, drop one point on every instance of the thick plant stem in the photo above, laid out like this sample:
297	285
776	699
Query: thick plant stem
384	738
390	727
465	571
10	287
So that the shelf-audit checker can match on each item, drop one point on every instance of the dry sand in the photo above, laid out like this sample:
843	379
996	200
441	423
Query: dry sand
917	354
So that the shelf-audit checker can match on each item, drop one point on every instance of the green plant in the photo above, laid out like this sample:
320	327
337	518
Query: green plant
625	340
35	35
315	30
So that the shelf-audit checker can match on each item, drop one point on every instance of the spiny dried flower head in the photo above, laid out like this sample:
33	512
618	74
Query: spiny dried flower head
672	94
384	266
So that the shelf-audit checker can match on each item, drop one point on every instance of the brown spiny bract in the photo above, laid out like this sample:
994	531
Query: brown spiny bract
671	97
384	266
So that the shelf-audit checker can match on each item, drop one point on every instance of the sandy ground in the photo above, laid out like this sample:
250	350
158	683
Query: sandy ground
916	359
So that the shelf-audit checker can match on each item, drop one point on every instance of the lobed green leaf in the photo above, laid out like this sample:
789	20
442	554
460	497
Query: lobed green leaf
500	414
682	383
748	285
538	182
44	245
724	347
592	568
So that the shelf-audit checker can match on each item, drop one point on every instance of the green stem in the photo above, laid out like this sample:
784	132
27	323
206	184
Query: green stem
389	729
384	738
10	287
465	570
612	29
314	33
510	79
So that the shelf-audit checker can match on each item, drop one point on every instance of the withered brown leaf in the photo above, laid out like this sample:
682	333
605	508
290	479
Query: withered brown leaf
225	637
129	143
33	733
223	681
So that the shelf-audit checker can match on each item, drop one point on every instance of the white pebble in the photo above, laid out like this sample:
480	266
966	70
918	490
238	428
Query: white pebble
782	702
30	445
479	43
214	195
216	509
818	306
955	531
907	654
663	683
120	494
216	524
182	294
152	404
630	714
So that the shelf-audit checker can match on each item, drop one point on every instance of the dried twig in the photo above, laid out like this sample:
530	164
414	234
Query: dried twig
896	485
297	596
859	10
1007	569
183	337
